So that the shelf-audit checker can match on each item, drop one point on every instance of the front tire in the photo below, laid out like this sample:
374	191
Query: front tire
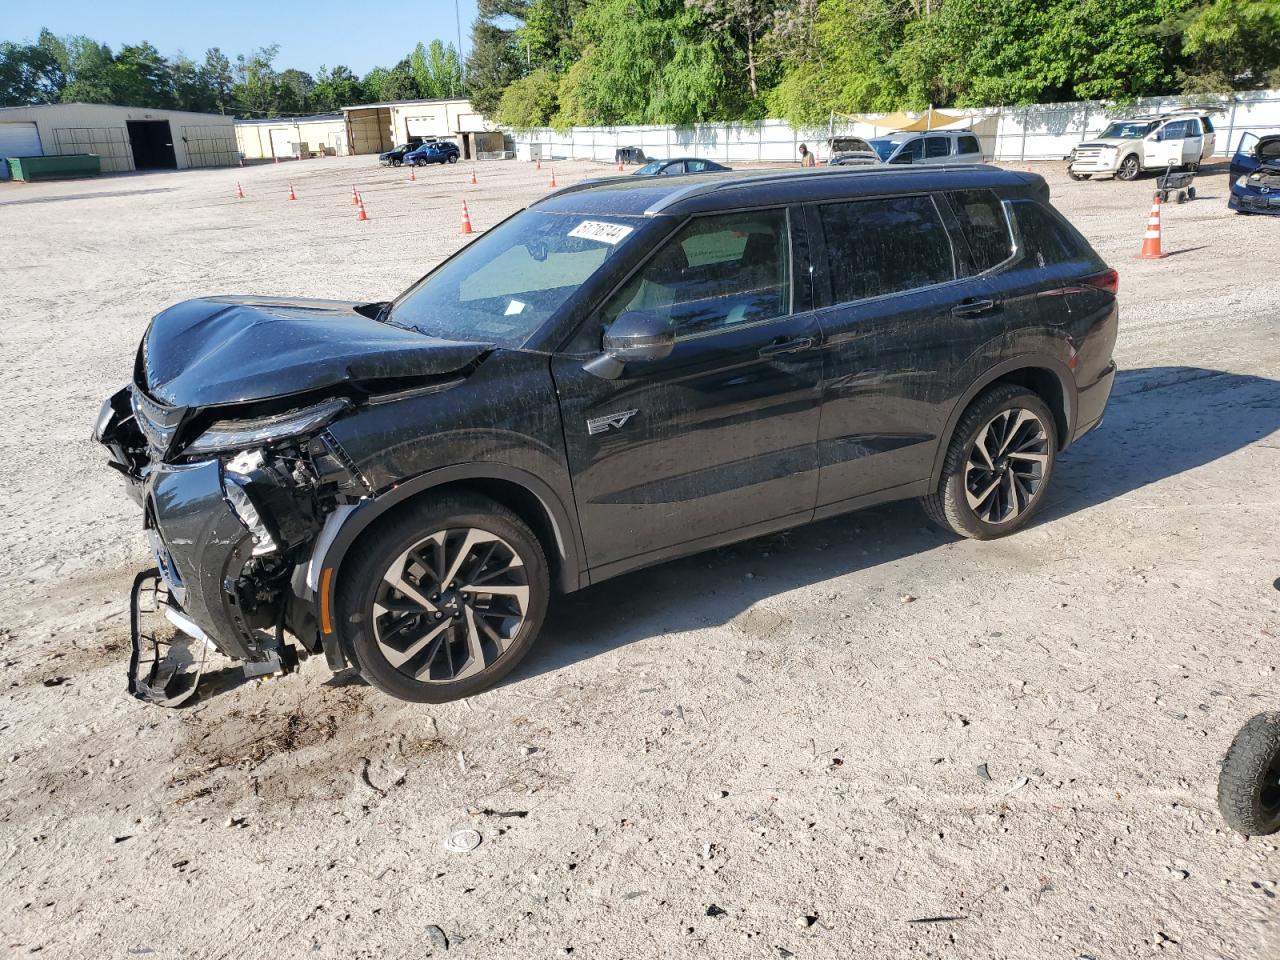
453	158
1129	168
998	465
443	599
1249	784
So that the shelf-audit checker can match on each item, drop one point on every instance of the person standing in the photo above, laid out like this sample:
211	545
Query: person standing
807	159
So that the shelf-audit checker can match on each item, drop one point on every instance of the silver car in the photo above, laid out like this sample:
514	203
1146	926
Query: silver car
935	148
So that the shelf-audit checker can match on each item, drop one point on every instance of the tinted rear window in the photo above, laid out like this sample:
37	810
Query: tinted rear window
878	247
984	225
1045	237
937	147
969	145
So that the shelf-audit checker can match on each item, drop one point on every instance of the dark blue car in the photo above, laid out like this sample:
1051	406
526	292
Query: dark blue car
434	151
1255	175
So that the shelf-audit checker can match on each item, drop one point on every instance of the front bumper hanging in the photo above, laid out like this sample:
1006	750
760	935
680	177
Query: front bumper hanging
168	681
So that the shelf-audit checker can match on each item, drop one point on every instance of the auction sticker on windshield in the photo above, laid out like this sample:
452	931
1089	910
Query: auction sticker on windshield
610	233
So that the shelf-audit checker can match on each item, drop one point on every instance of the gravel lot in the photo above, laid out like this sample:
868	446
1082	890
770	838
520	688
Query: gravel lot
764	751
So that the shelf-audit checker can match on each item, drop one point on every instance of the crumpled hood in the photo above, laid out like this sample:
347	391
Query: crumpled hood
222	350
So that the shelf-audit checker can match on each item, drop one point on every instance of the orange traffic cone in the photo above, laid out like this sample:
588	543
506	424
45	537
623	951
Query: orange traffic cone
473	178
355	196
552	182
466	219
360	213
619	166
413	174
239	190
1151	239
539	167
292	195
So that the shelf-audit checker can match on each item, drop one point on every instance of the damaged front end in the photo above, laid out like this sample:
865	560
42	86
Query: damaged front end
232	512
236	493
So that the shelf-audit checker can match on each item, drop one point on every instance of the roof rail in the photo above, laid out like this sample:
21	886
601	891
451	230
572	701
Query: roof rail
711	186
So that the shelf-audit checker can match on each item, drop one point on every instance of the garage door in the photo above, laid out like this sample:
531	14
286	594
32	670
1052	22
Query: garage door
19	140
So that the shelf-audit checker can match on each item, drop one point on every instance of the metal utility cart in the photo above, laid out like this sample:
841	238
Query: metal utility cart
1178	185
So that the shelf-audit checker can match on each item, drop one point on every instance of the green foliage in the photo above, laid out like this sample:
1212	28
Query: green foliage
530	101
1233	44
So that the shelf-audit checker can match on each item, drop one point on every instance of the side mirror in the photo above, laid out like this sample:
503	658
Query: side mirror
637	336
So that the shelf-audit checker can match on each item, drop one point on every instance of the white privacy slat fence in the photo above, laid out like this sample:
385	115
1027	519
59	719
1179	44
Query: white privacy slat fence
1041	132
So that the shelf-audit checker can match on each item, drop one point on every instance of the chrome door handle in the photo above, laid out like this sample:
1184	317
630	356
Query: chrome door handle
973	308
780	347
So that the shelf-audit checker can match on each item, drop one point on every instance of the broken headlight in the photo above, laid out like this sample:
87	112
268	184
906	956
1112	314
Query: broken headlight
227	435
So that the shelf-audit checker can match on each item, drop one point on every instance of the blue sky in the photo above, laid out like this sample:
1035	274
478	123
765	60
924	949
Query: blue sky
309	33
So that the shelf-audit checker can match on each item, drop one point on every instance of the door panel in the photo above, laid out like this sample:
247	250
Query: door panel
715	437
721	434
900	323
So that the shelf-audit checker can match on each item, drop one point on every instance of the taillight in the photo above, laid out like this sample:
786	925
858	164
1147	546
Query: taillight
1108	280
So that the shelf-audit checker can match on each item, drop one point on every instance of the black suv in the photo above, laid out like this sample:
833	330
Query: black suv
627	371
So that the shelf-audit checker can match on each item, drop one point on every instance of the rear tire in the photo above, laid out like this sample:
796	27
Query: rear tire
443	598
998	465
1249	784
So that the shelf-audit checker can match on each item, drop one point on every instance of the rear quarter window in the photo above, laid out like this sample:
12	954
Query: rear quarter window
984	225
1046	238
969	145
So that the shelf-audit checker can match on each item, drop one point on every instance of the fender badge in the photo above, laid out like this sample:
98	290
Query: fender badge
614	420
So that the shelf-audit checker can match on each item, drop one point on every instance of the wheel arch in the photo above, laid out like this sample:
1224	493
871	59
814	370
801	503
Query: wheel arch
529	497
1045	376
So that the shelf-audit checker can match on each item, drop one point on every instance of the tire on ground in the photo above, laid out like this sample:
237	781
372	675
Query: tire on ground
1249	784
396	532
948	506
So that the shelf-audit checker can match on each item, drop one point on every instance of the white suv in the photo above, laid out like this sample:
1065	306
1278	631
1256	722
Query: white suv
1128	147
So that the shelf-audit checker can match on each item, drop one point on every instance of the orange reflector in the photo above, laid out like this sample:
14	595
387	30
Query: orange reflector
326	619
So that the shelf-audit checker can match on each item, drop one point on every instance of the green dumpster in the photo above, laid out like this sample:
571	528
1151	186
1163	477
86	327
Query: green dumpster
55	168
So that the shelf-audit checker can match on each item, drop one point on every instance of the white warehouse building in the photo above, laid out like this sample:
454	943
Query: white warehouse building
125	138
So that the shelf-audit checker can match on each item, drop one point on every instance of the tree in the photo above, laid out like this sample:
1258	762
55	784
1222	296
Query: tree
493	63
295	91
257	87
335	89
530	101
747	23
28	74
1233	43
219	80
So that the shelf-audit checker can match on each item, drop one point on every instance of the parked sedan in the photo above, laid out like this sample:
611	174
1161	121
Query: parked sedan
678	165
434	151
1255	175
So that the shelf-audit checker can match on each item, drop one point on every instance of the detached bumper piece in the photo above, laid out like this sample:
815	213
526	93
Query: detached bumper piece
165	644
160	658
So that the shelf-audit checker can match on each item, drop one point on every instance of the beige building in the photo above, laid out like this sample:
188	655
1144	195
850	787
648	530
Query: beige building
125	138
324	135
377	127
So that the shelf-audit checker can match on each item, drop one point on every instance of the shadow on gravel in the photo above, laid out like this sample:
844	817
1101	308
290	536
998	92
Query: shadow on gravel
1162	421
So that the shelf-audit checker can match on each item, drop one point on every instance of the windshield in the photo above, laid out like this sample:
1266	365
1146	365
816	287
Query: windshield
505	285
650	168
1127	130
884	147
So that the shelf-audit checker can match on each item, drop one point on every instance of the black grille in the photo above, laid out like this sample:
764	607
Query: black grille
157	422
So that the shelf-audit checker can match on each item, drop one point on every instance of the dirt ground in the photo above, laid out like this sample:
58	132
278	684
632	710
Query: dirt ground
771	750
